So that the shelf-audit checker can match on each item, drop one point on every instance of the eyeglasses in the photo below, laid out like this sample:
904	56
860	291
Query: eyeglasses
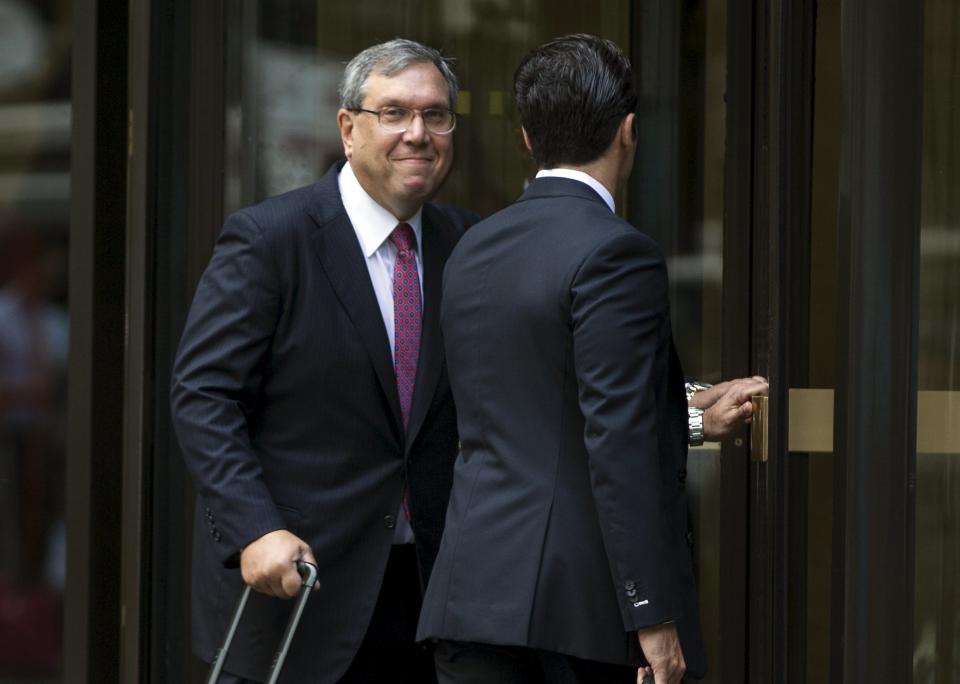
399	119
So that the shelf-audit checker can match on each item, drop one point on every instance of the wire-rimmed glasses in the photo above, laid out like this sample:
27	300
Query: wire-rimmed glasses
398	119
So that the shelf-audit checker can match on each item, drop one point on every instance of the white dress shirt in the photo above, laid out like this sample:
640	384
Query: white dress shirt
572	174
373	225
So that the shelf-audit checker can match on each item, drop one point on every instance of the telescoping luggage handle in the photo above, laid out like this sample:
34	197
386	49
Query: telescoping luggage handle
308	576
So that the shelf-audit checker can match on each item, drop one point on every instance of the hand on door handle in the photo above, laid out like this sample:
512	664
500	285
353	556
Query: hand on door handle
727	405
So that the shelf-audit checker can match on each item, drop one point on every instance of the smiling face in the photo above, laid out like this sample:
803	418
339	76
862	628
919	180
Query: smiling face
400	171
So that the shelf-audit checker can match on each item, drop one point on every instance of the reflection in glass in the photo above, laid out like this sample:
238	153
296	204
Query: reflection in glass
34	224
678	185
286	58
936	654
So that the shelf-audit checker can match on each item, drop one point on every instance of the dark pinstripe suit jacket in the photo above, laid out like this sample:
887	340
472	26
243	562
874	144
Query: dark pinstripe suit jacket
285	405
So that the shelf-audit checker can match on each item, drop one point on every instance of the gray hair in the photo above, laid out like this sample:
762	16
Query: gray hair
389	59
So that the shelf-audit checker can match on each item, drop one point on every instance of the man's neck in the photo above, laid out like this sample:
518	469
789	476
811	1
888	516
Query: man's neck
602	170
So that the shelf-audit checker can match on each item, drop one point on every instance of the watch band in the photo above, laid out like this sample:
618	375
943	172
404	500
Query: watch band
694	415
694	426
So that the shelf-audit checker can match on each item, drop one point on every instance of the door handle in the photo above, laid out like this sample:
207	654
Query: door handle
759	443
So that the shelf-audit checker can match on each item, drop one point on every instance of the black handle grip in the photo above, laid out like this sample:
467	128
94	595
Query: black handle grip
308	573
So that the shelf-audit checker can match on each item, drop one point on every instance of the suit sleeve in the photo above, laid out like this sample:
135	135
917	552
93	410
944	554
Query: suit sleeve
216	378
619	310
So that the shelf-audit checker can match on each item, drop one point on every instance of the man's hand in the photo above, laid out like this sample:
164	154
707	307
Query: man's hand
661	647
727	405
269	564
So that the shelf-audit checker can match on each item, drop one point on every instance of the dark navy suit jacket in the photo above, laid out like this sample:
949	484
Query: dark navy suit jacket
567	526
285	405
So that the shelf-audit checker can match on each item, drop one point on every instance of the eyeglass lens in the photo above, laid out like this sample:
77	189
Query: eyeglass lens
398	119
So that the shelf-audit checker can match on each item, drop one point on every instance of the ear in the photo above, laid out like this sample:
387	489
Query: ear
628	129
526	140
345	123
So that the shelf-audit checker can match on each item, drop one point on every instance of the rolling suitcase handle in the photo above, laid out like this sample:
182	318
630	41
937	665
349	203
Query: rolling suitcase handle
308	575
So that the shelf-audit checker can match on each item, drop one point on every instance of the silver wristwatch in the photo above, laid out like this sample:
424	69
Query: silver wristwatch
694	426
695	386
694	415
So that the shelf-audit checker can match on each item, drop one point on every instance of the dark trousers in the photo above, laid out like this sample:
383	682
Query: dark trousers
472	663
388	652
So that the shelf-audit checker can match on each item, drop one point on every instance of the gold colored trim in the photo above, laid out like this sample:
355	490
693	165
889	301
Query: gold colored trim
938	422
811	421
496	102
759	441
463	102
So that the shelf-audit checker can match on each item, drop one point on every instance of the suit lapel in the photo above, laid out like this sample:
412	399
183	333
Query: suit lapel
339	252
436	249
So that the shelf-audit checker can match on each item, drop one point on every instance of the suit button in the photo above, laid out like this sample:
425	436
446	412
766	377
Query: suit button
389	522
632	593
629	585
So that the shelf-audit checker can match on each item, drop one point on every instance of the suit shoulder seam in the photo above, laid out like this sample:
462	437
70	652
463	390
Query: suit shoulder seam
262	238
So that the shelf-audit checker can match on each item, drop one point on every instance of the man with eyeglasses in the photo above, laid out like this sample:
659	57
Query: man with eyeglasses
310	396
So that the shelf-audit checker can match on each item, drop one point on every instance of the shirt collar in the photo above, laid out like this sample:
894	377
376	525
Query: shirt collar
572	174
372	222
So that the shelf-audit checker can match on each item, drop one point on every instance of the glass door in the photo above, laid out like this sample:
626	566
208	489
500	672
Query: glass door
936	642
854	525
677	195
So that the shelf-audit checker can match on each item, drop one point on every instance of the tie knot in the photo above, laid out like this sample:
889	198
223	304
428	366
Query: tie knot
404	238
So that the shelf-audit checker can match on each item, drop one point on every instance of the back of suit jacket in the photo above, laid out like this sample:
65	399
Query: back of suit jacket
285	405
567	525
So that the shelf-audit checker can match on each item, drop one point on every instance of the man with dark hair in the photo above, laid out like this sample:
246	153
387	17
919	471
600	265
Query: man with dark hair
565	556
309	392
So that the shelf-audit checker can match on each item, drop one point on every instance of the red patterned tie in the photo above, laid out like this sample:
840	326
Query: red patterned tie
407	314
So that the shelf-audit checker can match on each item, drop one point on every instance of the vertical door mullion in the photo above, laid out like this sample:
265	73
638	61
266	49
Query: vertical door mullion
767	484
782	123
875	412
95	387
737	294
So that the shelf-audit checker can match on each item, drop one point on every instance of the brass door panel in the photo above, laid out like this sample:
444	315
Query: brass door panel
811	422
